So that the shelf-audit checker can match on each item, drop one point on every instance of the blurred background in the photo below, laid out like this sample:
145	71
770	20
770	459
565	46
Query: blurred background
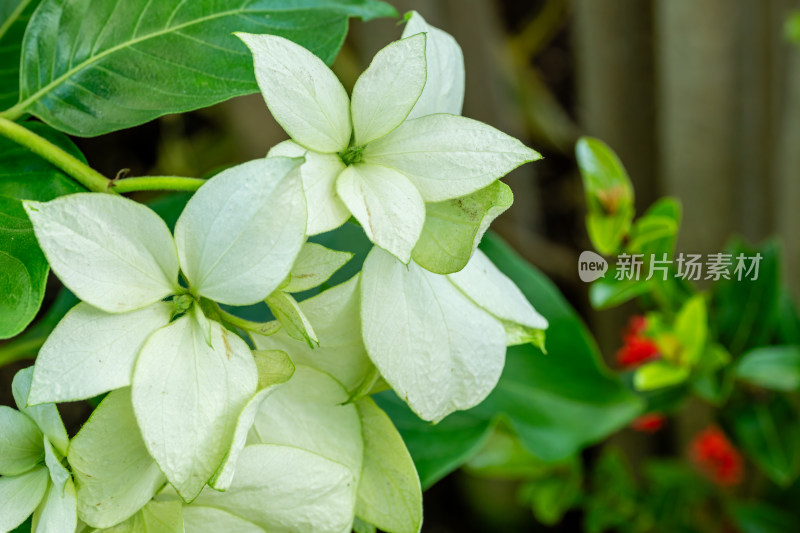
700	99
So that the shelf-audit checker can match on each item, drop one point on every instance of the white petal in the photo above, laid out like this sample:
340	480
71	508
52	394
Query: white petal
20	442
492	290
314	266
58	474
116	475
336	317
388	206
224	477
318	174
437	350
45	415
240	233
293	321
187	396
385	93
309	412
58	511
301	92
448	156
19	496
454	228
198	519
287	490
389	492
444	87
112	252
91	352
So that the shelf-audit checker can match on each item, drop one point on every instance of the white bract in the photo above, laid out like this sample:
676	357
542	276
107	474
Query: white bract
393	146
28	438
441	348
201	434
235	243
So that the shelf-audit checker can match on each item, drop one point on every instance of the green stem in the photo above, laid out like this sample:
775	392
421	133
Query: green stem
157	183
17	350
81	172
262	328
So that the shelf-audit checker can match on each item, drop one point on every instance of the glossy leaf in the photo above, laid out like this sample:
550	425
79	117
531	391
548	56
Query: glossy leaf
14	16
609	194
772	367
768	433
114	56
25	176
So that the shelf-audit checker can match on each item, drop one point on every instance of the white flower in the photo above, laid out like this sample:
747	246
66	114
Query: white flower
235	243
27	486
363	156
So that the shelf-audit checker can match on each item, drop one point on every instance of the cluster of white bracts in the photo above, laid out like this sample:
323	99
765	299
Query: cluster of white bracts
201	433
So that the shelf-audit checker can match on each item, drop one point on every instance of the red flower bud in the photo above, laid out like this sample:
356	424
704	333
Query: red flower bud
715	456
649	423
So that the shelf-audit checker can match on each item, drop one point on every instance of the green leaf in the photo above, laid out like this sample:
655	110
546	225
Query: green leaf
654	233
691	329
659	374
94	66
792	28
768	433
557	403
612	501
14	16
389	494
609	194
746	311
23	267
761	517
454	228
554	493
609	292
772	367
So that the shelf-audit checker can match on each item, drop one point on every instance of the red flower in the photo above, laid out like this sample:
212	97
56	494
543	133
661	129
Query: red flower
637	324
637	349
716	457
649	423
